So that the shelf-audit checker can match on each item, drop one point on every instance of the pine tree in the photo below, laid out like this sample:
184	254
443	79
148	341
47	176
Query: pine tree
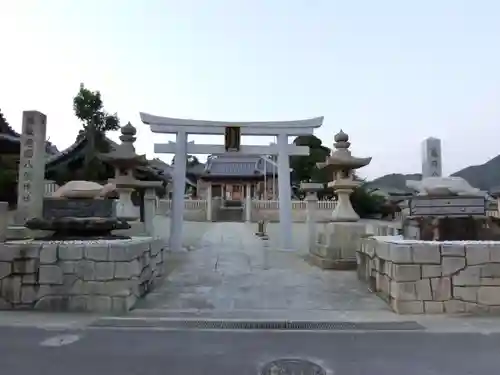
5	127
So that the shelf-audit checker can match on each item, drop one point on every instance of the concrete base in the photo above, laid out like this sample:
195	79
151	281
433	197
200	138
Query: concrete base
337	244
331	264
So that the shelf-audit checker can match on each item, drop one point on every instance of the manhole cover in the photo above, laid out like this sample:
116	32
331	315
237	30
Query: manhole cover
292	367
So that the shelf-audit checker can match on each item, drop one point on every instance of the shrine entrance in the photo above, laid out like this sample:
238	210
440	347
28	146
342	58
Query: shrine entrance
232	132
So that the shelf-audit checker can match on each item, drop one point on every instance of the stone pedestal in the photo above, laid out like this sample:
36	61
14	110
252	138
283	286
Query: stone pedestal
311	206
125	208
311	189
343	210
149	211
337	244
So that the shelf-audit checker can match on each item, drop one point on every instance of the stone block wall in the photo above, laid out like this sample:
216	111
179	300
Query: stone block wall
417	277
97	276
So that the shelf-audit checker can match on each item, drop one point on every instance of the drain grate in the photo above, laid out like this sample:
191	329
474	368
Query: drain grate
259	325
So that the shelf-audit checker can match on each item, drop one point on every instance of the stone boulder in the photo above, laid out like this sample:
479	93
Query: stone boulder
443	186
83	189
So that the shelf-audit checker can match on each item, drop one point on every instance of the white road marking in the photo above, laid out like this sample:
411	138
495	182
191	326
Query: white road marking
60	340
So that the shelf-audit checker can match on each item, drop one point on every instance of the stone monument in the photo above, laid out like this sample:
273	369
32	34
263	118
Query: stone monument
31	167
431	158
78	210
82	266
338	240
124	160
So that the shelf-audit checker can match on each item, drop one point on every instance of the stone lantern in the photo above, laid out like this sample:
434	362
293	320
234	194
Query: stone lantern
341	165
338	240
311	189
124	159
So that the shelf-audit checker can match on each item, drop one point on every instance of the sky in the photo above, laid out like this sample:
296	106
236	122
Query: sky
390	73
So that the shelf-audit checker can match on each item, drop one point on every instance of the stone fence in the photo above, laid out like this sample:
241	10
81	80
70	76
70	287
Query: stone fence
269	210
197	210
194	210
100	276
417	277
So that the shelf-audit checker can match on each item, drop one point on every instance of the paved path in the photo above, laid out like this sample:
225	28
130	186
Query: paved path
232	270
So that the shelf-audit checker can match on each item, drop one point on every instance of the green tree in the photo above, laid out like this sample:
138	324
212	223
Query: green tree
191	161
4	125
304	168
366	204
89	108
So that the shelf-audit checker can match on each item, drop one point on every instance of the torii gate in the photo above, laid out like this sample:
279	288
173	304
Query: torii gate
232	131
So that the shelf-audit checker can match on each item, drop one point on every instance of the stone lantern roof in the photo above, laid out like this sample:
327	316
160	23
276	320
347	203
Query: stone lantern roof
124	156
341	158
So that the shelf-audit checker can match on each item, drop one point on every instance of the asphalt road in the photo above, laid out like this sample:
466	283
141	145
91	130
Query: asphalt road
132	352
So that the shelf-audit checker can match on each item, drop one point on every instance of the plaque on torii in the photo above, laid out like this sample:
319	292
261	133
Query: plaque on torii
232	138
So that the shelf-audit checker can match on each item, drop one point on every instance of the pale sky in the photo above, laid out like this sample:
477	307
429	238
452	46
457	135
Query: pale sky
389	72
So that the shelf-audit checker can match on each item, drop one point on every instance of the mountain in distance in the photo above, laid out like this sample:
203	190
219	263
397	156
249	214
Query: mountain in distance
485	177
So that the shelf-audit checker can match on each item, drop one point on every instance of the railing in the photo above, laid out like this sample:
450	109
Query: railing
49	188
189	204
327	205
296	205
494	213
201	204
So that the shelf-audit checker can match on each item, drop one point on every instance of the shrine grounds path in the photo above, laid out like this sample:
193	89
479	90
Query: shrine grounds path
229	272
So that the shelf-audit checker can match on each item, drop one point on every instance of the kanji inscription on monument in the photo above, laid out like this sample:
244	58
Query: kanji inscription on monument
31	166
431	158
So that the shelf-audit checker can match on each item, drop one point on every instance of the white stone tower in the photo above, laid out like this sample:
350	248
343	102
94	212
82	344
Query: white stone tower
431	158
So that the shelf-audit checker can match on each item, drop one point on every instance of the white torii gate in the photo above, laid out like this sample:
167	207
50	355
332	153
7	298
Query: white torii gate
182	127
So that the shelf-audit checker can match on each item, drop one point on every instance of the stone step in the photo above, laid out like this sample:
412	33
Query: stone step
230	214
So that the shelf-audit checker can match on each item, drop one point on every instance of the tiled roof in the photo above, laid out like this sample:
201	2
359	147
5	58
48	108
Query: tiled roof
238	166
167	170
15	137
56	156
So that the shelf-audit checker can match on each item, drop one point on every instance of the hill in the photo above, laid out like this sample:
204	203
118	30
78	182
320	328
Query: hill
394	181
485	176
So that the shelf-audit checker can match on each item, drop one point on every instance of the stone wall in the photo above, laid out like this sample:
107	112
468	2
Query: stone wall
417	277
99	276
